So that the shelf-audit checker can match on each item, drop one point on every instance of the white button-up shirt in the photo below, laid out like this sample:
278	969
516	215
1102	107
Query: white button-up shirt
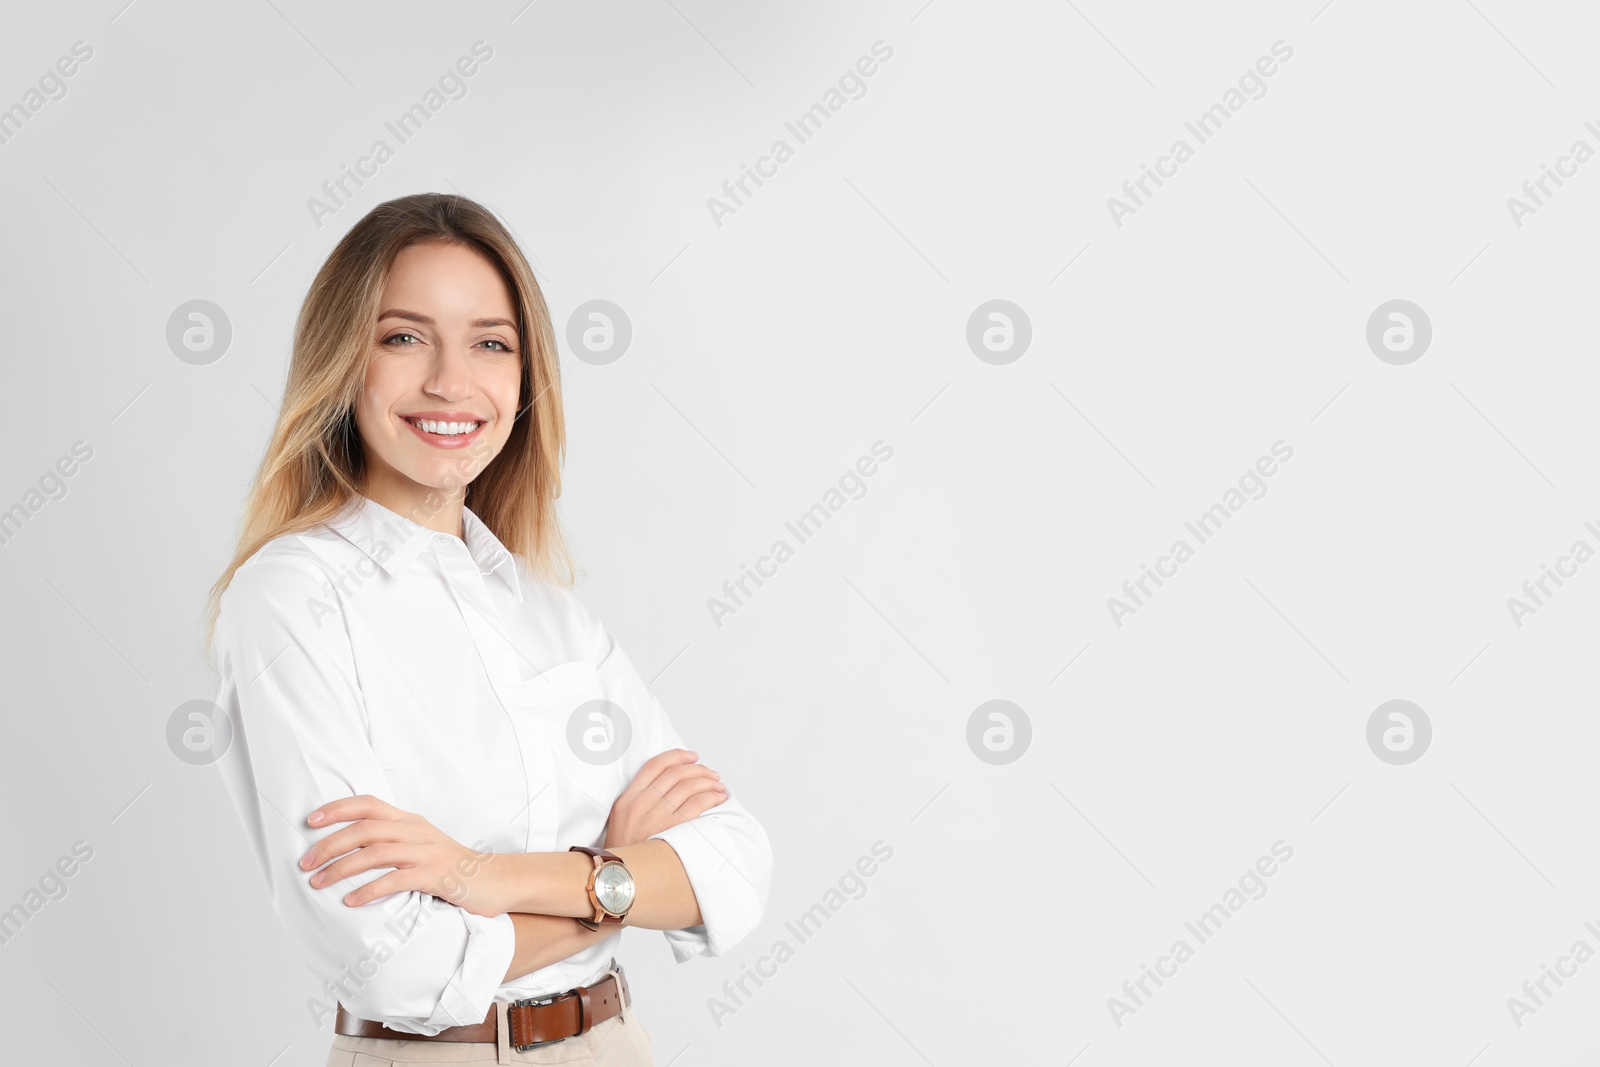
377	656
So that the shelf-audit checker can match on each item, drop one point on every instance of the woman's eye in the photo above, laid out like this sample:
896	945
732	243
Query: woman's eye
393	340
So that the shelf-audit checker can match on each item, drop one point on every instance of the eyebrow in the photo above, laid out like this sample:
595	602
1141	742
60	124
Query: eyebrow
401	313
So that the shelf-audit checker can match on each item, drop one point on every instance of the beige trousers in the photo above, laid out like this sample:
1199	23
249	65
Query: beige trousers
620	1041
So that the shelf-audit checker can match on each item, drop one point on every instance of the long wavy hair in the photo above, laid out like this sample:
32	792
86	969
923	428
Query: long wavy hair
315	463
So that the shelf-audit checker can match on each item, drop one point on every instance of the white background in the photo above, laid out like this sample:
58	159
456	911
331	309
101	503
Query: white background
768	354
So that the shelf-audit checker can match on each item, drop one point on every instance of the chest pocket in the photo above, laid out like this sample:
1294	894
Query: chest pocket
589	736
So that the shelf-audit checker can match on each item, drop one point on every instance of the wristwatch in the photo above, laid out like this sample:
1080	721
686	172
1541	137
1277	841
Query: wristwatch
610	886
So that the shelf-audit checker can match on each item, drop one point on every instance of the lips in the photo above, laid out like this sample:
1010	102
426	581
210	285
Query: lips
445	441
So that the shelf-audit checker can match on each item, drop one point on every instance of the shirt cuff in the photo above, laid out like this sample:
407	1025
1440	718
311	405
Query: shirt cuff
730	906
491	942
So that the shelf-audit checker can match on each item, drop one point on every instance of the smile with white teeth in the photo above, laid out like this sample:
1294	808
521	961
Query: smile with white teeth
446	429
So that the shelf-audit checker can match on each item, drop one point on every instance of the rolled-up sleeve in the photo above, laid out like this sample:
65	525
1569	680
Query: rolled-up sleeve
725	852
300	739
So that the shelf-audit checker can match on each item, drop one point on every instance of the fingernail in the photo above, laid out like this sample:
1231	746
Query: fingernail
714	774
315	818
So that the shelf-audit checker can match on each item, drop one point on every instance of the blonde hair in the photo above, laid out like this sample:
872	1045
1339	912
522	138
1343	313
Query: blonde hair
315	462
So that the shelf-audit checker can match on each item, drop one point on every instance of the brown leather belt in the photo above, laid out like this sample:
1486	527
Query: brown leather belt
533	1021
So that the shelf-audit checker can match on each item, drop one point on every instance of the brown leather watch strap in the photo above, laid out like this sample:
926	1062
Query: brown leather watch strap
532	1020
602	853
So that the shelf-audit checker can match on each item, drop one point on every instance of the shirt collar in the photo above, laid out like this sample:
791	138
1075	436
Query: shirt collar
393	541
487	550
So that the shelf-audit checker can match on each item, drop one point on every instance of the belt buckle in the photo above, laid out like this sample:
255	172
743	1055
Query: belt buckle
535	1002
615	970
621	983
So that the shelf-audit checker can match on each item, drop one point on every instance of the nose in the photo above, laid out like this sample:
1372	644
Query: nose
450	376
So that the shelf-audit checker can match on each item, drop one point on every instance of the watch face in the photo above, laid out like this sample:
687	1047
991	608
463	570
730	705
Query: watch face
614	886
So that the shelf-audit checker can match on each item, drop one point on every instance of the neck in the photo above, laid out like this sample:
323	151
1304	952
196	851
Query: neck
440	510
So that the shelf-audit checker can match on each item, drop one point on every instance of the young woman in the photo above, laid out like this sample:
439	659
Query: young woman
457	785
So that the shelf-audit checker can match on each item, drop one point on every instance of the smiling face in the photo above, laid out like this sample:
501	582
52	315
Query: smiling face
442	382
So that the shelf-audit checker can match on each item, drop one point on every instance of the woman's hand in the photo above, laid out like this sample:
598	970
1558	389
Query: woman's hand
381	835
669	789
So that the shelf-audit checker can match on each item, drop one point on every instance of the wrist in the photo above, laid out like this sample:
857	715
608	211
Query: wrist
548	883
610	887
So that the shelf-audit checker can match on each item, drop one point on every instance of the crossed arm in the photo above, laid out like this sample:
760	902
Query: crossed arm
543	892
